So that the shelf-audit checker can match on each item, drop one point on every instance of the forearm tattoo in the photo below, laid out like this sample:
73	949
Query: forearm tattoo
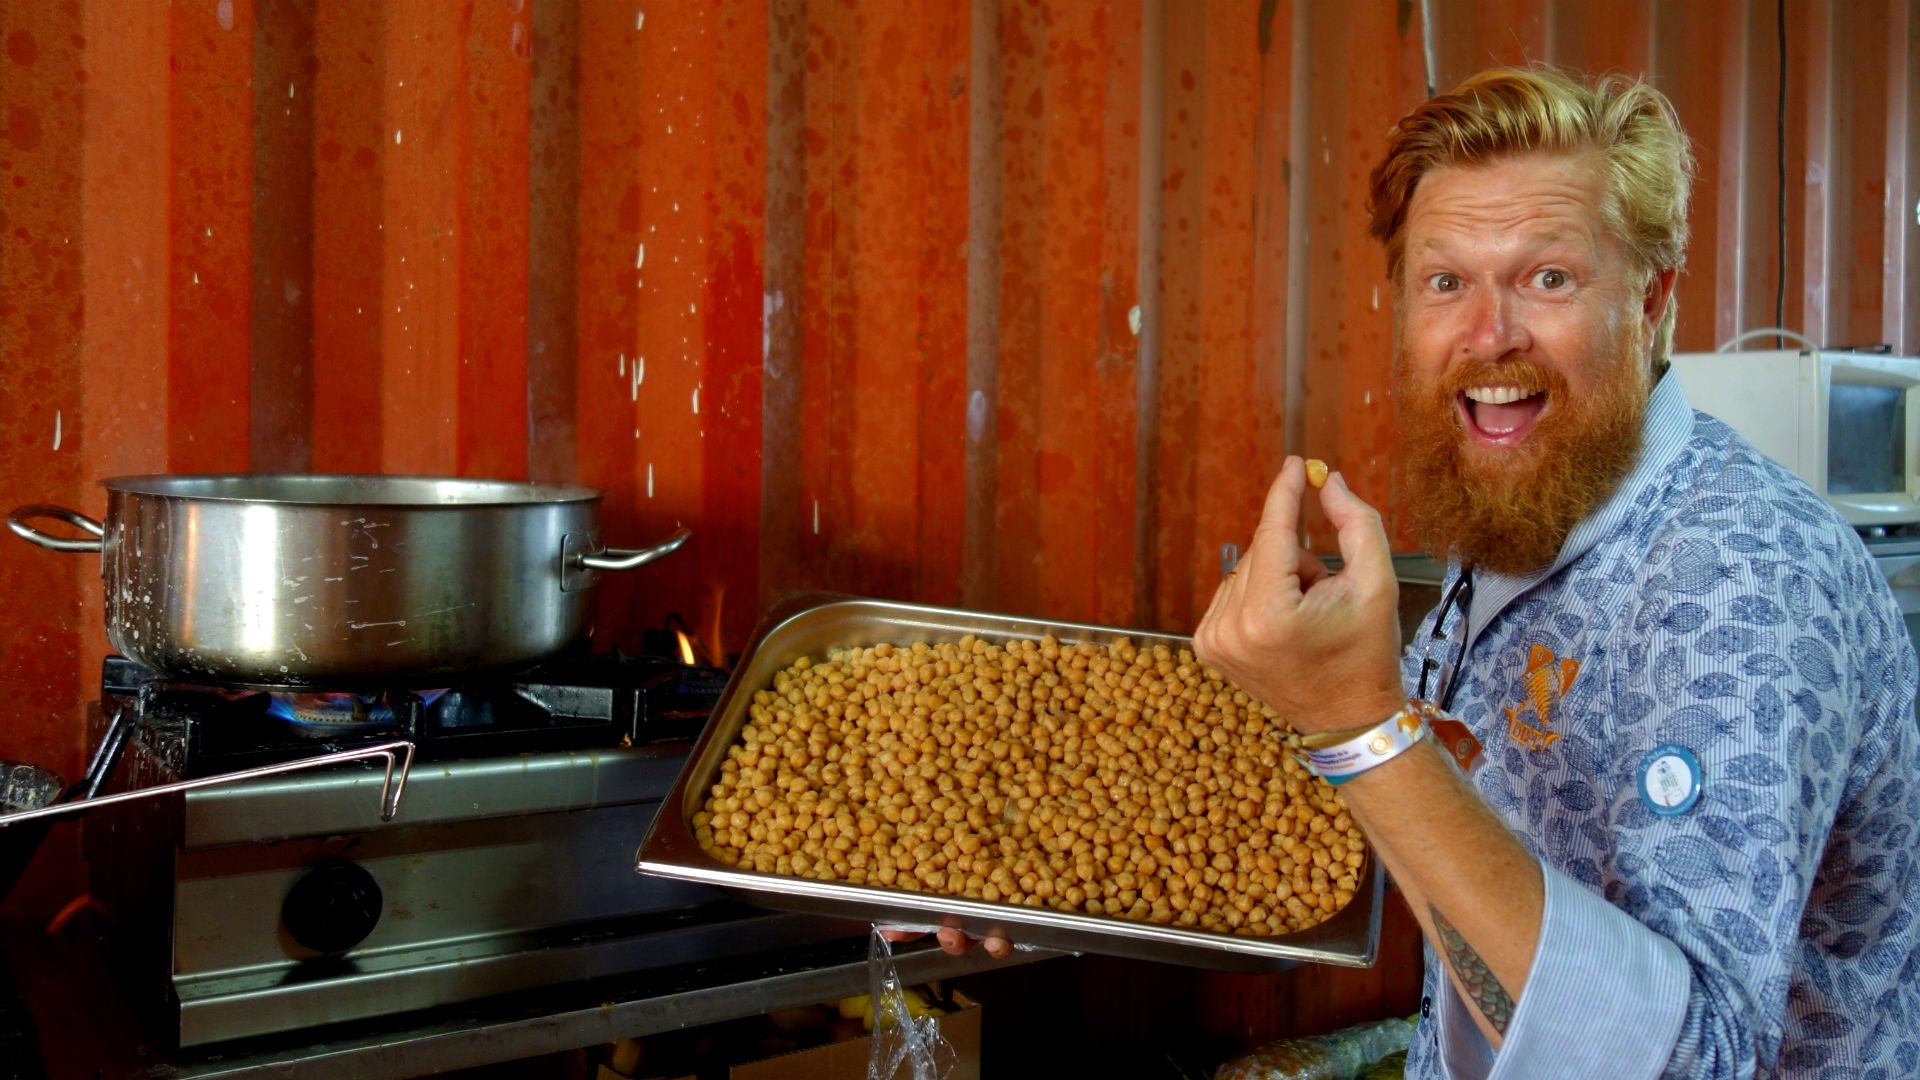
1483	989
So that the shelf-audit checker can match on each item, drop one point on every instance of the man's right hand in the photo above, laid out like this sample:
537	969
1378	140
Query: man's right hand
1320	649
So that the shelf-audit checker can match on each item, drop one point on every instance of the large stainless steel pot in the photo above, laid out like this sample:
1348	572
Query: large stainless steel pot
343	582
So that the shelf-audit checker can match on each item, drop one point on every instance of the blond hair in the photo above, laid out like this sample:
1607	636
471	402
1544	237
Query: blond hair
1505	111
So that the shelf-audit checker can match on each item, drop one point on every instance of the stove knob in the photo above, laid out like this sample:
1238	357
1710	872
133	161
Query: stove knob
333	906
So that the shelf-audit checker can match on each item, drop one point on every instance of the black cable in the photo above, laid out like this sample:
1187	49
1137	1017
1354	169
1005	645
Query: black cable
1780	156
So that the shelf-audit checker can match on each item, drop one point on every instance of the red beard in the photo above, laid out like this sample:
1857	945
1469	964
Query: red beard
1510	510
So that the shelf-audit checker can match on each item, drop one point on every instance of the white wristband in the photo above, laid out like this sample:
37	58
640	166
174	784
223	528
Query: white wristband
1373	747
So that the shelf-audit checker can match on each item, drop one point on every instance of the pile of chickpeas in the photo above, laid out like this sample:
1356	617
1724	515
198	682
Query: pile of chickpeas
1108	780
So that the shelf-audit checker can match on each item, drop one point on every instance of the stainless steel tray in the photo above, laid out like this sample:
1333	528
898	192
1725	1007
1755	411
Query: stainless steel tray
814	624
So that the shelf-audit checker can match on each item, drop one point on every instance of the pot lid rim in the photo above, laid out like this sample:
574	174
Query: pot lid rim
332	489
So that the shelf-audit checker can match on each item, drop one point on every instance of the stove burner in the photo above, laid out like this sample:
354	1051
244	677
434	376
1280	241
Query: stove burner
320	715
327	715
571	703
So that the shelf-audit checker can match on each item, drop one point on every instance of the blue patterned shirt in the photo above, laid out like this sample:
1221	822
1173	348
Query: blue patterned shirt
1716	604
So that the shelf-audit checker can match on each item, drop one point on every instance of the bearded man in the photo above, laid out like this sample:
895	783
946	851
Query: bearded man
1668	826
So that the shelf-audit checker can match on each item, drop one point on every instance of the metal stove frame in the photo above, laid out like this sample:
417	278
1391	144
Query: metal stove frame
497	875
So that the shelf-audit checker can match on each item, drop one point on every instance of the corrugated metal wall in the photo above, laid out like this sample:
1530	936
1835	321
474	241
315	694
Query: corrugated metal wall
1009	304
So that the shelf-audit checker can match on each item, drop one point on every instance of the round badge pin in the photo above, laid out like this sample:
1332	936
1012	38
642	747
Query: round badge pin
1669	780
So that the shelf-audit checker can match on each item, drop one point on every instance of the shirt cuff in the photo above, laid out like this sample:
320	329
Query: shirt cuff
1589	952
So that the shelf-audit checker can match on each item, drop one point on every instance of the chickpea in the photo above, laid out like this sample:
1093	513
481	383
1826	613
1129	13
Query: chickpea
1316	472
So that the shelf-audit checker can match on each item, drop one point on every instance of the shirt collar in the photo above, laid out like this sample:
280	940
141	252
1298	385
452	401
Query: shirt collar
1664	432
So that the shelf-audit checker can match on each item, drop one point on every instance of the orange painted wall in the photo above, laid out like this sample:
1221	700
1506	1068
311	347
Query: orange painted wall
1008	304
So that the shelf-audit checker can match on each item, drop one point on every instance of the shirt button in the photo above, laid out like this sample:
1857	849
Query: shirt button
1426	1007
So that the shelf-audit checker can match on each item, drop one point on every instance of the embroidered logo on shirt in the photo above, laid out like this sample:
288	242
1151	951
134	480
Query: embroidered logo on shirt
1546	680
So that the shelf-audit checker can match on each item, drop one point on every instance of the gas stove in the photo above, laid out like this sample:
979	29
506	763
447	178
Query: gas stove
286	903
586	701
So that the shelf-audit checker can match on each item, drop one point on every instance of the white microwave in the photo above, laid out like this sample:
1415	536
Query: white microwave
1847	423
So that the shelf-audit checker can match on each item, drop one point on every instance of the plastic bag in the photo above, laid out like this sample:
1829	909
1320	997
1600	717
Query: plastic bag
1391	1067
1346	1054
901	1040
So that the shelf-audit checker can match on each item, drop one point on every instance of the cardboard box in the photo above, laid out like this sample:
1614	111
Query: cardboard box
847	1059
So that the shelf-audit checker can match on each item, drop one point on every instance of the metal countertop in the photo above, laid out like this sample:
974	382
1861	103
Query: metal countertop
88	1028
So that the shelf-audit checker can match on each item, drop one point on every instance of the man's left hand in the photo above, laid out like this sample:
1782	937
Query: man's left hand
954	942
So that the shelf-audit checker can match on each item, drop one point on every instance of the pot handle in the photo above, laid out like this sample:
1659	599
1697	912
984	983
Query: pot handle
627	558
17	521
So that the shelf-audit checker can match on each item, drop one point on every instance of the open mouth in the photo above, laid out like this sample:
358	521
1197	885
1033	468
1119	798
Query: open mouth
1501	415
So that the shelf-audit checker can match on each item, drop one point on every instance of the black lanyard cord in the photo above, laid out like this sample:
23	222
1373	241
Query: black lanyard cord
1459	596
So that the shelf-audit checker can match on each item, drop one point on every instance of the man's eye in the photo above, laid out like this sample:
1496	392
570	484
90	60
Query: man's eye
1444	282
1551	279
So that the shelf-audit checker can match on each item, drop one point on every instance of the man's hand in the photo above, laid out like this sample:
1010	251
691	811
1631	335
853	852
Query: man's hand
1320	649
954	942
